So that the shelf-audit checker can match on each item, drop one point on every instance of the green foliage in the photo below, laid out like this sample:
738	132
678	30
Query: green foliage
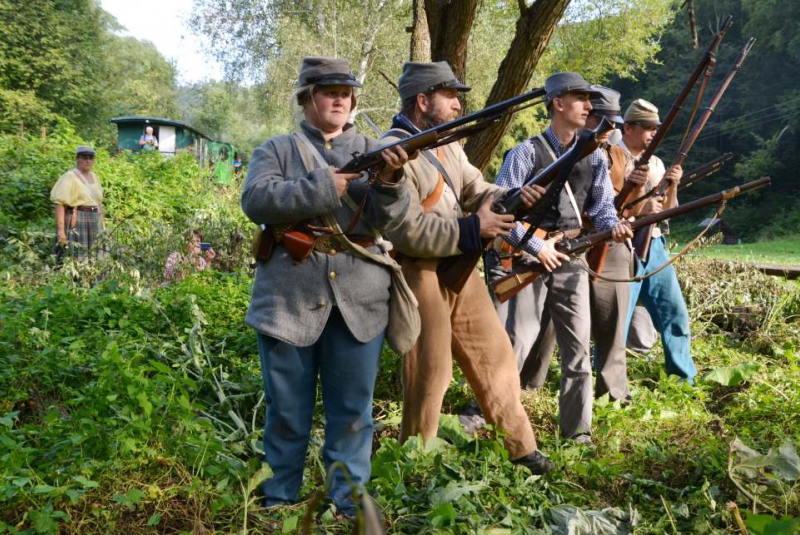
143	81
21	108
733	375
61	59
29	166
42	50
109	386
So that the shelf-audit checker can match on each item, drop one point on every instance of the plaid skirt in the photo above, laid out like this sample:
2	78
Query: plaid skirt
83	241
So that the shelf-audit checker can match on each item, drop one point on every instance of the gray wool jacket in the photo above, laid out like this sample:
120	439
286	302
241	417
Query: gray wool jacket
293	302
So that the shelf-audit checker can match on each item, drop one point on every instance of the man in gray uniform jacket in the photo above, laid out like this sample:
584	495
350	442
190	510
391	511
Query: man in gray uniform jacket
324	314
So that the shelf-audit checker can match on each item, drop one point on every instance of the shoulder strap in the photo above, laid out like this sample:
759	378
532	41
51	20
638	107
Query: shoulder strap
308	150
549	148
432	158
430	201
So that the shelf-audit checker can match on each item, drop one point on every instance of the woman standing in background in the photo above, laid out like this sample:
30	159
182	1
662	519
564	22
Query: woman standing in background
78	197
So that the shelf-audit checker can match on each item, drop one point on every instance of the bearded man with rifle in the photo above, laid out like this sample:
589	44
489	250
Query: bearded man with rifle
461	325
660	294
564	292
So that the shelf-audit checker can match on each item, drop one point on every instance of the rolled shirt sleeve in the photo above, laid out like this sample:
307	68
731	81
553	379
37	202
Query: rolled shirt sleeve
517	167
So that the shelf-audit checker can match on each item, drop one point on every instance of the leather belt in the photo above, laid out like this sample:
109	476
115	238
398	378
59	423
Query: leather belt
86	208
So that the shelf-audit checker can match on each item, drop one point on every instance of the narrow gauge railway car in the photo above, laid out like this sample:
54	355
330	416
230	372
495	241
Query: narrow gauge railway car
175	137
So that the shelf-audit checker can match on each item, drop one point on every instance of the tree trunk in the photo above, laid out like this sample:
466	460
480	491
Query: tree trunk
534	29
420	37
449	24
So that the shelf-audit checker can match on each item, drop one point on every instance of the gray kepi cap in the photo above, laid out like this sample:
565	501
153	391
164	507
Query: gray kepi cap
562	83
607	104
84	149
321	70
427	77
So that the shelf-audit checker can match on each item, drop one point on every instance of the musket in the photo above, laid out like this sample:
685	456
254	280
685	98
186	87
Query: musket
706	65
454	271
704	171
641	240
508	286
696	175
447	132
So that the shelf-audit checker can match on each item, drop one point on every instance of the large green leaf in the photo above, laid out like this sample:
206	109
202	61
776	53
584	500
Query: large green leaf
733	375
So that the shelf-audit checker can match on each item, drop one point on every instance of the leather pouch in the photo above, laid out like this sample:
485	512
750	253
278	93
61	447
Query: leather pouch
263	243
299	244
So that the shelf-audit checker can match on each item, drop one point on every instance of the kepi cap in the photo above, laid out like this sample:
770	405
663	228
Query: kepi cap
427	77
84	149
562	83
323	70
606	104
643	113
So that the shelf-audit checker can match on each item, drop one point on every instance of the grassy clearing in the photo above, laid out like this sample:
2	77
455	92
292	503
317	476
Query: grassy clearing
782	251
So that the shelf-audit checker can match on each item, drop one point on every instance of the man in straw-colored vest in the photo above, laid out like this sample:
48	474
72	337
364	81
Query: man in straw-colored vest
660	294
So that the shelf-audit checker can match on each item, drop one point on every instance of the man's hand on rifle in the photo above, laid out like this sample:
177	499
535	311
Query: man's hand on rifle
395	158
653	205
549	257
674	175
639	176
492	224
340	181
622	231
530	195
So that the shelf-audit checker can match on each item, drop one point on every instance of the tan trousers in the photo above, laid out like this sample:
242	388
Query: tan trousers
463	326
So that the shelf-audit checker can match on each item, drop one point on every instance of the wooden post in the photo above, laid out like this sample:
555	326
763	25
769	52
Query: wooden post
44	133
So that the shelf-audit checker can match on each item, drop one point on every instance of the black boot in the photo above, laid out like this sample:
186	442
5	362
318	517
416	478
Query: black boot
537	463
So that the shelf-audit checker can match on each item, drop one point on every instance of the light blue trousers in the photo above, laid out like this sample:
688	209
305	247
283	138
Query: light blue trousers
347	369
661	296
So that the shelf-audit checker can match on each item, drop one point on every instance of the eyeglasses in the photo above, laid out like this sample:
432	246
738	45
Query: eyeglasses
85	157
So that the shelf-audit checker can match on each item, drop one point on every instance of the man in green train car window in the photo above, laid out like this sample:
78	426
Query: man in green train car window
148	141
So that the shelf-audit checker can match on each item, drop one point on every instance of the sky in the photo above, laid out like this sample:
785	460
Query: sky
163	22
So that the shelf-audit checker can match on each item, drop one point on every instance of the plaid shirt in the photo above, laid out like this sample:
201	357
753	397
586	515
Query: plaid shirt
518	166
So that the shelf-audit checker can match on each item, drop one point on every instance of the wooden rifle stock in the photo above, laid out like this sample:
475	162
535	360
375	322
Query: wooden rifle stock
641	240
510	285
708	59
454	271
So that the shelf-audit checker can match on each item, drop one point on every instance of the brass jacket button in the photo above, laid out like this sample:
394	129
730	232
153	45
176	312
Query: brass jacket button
332	275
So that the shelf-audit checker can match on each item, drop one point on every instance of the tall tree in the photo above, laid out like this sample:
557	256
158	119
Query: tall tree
533	32
449	25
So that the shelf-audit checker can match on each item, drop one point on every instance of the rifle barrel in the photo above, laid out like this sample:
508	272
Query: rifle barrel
581	244
427	138
709	55
712	105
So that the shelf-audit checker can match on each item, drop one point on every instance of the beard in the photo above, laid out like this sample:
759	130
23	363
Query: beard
436	118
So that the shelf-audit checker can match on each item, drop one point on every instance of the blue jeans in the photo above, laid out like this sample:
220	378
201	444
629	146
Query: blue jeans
661	296
347	370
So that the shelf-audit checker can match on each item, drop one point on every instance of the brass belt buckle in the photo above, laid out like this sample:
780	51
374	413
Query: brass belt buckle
325	244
